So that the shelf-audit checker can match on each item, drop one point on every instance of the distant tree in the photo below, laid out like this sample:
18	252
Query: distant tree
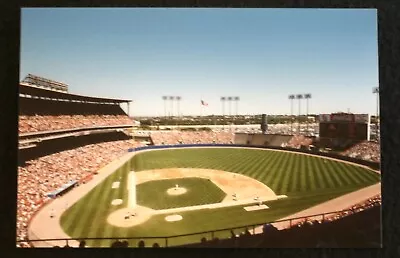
145	122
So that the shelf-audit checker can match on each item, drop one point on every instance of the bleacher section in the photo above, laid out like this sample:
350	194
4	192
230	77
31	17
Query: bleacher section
64	139
274	140
366	150
299	140
189	137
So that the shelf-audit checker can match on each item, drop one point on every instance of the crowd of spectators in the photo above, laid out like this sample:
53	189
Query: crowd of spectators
299	140
367	204
38	123
191	137
40	176
366	150
327	232
369	235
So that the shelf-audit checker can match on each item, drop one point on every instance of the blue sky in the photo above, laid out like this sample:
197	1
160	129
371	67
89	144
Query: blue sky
260	55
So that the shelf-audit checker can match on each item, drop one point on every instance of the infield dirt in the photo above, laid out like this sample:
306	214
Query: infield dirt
244	188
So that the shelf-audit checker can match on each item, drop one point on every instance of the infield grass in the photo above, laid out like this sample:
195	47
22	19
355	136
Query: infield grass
153	194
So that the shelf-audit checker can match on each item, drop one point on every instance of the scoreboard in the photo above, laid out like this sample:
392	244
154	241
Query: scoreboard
344	126
354	131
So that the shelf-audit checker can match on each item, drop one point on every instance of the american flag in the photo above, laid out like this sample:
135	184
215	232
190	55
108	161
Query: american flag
204	103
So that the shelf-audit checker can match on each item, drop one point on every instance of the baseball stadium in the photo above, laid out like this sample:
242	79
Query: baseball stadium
90	175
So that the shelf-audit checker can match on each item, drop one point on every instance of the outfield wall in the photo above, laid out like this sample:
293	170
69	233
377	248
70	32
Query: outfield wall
372	165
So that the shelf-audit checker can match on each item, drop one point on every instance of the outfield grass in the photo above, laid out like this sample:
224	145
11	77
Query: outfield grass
153	194
307	181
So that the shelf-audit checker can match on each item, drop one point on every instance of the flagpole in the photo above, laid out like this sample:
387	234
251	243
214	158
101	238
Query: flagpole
201	106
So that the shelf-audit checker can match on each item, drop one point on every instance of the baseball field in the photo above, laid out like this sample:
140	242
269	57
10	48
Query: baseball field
204	177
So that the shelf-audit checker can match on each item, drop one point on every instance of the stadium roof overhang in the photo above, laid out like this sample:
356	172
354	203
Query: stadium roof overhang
34	91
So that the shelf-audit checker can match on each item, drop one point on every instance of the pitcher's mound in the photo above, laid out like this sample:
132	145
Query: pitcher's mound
172	218
176	191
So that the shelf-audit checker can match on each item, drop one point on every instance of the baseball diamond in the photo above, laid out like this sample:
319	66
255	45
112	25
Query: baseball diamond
285	182
179	128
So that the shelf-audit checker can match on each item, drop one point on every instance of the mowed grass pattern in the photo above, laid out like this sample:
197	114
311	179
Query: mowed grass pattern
307	181
153	194
285	173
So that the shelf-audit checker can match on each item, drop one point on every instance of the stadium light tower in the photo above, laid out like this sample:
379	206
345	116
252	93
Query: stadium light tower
178	100
299	97
223	111
171	98
230	106
307	96
291	97
237	98
165	105
375	90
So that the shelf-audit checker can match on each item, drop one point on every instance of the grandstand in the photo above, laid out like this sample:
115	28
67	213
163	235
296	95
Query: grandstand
39	114
64	139
366	150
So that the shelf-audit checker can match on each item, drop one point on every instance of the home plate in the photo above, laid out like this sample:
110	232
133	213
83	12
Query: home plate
115	185
256	207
